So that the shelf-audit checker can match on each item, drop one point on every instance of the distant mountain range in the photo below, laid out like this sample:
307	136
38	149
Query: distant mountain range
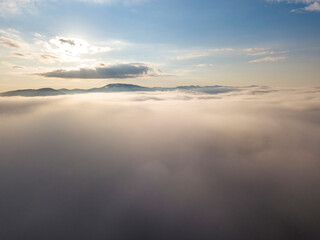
118	87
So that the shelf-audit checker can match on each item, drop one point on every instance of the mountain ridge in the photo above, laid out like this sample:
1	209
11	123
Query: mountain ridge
117	87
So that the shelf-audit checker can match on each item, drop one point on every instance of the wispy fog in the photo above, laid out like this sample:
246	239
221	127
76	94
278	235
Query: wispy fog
239	165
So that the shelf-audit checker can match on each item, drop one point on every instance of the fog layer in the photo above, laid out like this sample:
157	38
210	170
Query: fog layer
239	165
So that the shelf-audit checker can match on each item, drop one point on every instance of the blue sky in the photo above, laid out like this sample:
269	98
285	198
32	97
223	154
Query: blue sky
165	42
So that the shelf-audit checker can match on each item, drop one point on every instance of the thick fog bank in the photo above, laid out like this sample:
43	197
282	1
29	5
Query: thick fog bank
240	165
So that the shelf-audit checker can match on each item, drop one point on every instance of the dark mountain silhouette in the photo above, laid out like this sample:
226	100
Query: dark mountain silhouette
33	92
117	87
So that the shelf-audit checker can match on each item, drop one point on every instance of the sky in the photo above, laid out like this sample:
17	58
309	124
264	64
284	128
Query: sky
84	44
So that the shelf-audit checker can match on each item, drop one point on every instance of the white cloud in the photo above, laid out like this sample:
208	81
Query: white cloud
74	46
268	59
11	33
12	6
312	5
113	1
261	53
200	54
248	51
204	65
16	67
10	39
9	43
193	55
15	6
55	50
67	49
265	52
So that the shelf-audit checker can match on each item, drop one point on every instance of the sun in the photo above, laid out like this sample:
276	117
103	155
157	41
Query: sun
73	47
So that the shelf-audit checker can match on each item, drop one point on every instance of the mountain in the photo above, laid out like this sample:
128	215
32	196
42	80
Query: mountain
33	92
118	87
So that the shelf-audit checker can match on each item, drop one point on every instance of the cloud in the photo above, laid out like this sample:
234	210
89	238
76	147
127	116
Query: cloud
48	57
68	41
9	43
67	49
22	55
12	6
13	66
17	67
109	167
10	39
132	70
200	54
10	33
268	59
55	50
126	2
16	6
193	55
211	52
294	1
19	55
73	46
263	52
312	5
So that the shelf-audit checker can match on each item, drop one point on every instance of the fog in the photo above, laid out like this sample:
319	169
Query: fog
161	165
